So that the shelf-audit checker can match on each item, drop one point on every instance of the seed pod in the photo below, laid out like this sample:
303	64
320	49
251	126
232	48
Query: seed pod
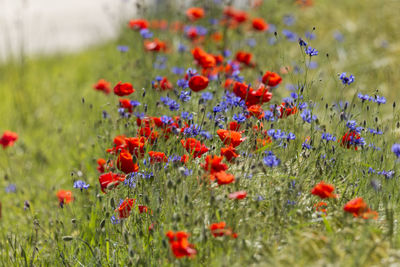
67	238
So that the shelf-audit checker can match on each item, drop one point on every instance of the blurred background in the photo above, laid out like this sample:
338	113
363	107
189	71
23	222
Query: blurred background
48	26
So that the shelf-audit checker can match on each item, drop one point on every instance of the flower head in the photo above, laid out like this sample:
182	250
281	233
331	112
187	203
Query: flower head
324	190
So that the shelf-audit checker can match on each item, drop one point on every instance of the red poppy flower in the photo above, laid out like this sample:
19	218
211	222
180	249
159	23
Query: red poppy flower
228	84
286	109
125	162
101	165
143	208
349	140
244	57
219	229
138	24
123	89
64	196
263	142
359	208
198	83
102	85
204	59
126	104
155	45
157	157
259	24
238	195
324	190
180	245
165	84
234	126
110	180
271	78
230	138
8	139
321	207
184	158
195	13
238	15
136	145
194	147
304	3
229	152
213	164
222	177
256	111
125	208
251	96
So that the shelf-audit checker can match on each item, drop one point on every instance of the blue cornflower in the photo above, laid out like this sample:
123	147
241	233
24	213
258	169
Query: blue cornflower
380	99
291	136
289	20
131	180
114	220
172	104
182	48
271	28
396	149
251	42
186	115
166	119
375	132
191	72
187	171
302	42
302	106
146	34
271	160
178	71
272	40
11	188
346	80
311	51
185	96
328	137
269	115
135	103
306	145
207	96
363	97
239	117
226	53
81	185
213	21
193	130
351	125
206	134
182	83
310	35
290	36
312	65
338	36
294	95
387	174
374	147
123	48
307	116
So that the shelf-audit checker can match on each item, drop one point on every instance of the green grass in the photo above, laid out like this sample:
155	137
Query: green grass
50	103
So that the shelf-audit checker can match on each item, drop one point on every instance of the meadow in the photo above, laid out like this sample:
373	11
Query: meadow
217	157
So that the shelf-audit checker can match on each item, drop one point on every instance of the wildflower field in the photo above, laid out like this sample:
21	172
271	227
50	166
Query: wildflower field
213	134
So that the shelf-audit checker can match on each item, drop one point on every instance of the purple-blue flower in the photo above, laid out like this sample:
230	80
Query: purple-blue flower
81	185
